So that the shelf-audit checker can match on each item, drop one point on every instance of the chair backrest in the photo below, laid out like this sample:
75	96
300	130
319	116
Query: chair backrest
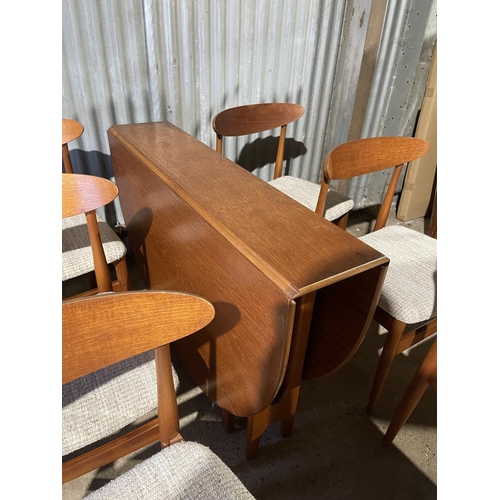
364	156
104	329
71	130
83	194
254	118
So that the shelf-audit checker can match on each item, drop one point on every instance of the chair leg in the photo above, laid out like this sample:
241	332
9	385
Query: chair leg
413	394
122	274
342	222
228	421
394	335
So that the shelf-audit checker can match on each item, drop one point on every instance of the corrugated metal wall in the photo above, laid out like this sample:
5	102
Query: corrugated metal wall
130	61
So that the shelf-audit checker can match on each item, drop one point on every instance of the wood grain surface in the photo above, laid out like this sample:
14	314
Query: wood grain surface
199	223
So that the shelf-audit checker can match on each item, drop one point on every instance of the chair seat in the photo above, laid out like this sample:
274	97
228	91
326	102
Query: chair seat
307	192
182	471
104	402
409	292
76	251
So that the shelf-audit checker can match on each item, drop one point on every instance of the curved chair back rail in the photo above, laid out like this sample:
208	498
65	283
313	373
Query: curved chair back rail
365	156
84	193
102	330
254	118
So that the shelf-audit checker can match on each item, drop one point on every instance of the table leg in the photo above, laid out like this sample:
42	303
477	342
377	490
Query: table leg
285	404
256	426
228	421
287	412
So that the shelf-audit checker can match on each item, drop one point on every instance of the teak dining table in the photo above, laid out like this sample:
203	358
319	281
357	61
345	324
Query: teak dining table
293	293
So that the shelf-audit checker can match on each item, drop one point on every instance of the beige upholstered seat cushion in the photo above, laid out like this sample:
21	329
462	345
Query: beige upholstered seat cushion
409	290
76	252
182	471
306	193
104	402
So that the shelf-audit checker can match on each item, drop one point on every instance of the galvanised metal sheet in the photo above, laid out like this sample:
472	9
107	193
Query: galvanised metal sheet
131	61
403	64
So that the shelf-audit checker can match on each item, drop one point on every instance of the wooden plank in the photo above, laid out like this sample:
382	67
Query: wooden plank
419	185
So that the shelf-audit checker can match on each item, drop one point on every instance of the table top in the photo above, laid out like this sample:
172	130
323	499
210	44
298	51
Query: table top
295	247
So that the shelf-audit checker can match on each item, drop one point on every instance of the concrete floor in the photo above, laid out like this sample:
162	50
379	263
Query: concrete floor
335	450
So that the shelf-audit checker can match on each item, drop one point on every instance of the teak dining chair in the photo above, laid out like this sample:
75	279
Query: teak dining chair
88	244
425	376
105	388
407	306
75	237
255	118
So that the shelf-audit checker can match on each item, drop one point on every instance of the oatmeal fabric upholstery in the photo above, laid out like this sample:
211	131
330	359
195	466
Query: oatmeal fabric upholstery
104	402
76	251
182	471
409	293
306	193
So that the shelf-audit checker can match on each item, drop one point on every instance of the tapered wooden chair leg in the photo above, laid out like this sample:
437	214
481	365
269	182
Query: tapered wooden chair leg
385	362
342	222
425	375
122	274
228	421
